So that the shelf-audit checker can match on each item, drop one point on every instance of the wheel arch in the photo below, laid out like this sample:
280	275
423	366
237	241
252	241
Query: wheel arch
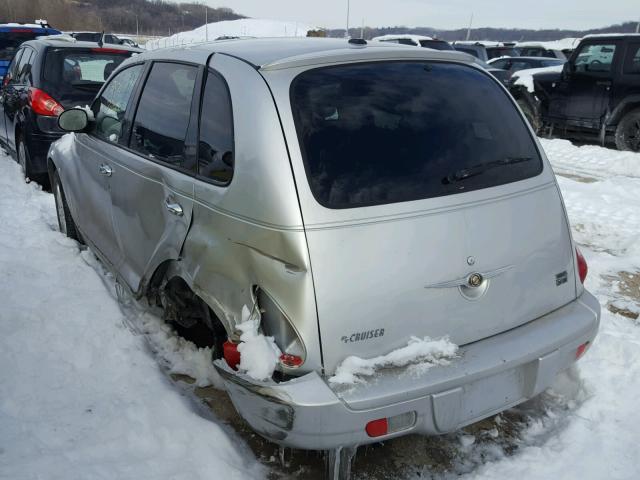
630	103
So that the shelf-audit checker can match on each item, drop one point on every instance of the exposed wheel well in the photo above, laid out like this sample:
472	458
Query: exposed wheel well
187	312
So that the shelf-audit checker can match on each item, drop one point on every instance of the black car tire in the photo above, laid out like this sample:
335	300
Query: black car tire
23	159
65	221
628	132
533	119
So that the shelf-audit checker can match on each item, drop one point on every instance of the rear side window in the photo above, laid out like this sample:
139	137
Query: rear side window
215	147
11	41
110	107
382	133
632	60
162	120
22	70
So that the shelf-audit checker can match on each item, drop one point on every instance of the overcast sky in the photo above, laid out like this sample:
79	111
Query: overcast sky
445	14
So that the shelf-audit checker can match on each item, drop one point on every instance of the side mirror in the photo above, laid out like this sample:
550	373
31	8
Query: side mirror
73	120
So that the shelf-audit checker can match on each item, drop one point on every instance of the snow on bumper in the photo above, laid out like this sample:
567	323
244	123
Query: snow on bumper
489	376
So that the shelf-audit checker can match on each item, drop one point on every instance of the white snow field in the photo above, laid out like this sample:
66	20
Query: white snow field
84	396
81	396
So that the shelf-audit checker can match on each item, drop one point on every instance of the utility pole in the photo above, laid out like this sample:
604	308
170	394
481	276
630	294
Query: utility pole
137	31
638	28
346	33
469	29
206	23
362	29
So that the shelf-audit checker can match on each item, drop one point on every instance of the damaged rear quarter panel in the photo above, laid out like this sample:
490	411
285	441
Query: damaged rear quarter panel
251	231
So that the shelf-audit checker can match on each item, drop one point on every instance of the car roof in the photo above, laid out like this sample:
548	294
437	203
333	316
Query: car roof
12	27
271	53
611	36
66	43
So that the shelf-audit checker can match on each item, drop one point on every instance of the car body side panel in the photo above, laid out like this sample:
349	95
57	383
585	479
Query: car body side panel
250	232
148	234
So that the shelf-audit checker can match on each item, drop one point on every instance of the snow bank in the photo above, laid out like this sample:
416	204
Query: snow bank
80	395
245	27
591	160
424	352
525	77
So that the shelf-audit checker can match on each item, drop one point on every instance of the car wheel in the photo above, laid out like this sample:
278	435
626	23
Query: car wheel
65	222
532	118
23	159
628	132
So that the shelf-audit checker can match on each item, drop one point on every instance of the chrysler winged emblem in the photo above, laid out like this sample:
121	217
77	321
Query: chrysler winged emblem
473	280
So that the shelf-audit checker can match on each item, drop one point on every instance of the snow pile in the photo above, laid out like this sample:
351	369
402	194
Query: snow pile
81	397
590	161
425	353
525	77
259	355
245	27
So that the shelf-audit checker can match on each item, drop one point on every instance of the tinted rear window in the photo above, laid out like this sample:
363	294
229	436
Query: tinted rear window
391	132
73	75
11	41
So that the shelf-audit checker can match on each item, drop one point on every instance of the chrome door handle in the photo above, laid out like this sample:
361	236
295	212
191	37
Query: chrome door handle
105	170
173	207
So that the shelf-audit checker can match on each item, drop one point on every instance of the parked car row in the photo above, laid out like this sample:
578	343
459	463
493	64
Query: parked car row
45	77
210	179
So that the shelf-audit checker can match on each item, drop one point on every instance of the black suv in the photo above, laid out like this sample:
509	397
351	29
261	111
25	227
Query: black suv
596	96
45	77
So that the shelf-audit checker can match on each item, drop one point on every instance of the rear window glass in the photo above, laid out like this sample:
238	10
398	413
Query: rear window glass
76	75
391	132
11	41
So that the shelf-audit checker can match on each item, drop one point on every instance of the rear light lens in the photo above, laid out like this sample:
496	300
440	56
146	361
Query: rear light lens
386	426
231	354
580	351
110	50
6	80
42	104
291	361
377	428
583	269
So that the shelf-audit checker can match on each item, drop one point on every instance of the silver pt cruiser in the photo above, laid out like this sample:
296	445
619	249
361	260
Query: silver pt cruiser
358	196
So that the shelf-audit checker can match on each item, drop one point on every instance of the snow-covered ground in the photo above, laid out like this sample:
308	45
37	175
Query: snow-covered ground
84	392
245	27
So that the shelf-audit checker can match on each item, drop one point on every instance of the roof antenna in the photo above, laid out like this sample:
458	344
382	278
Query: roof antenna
101	40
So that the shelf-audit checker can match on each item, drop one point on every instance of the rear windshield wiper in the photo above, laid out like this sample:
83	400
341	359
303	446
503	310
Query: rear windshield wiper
475	170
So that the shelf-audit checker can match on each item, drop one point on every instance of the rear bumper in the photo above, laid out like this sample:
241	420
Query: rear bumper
38	145
489	376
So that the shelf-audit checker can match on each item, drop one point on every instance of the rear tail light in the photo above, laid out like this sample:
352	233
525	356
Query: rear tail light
110	50
42	104
583	269
291	361
231	354
386	426
580	351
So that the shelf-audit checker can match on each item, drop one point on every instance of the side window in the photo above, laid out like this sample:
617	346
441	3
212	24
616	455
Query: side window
500	64
21	69
632	60
595	58
215	146
162	120
110	107
12	70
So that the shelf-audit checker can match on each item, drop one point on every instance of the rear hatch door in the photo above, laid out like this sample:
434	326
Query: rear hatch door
416	181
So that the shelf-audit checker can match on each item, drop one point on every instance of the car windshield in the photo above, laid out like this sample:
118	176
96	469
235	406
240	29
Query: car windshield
10	41
389	132
76	75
